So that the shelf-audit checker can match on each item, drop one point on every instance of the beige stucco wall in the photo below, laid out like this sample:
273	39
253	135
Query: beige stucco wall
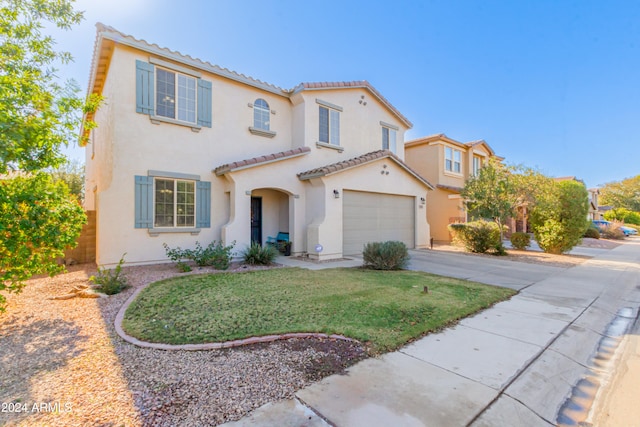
440	209
127	143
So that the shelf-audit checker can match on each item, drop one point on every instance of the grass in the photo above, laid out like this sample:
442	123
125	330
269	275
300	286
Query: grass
385	309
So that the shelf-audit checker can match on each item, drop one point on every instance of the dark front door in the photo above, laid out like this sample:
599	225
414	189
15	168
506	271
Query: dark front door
256	220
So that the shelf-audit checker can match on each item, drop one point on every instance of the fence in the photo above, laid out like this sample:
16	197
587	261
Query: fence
85	251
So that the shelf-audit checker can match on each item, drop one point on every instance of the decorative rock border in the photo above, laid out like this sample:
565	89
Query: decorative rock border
208	346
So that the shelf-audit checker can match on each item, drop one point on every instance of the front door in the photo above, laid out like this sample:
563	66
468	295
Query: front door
256	220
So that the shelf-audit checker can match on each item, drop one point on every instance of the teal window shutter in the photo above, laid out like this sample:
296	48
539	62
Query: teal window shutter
144	201
204	103
144	87
203	204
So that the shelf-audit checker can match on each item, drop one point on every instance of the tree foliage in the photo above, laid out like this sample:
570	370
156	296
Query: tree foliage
39	219
72	174
559	217
622	194
624	215
38	115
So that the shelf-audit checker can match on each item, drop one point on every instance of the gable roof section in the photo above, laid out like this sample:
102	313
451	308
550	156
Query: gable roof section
261	160
359	84
359	161
441	137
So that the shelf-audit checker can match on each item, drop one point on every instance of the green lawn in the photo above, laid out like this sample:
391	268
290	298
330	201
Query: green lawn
383	308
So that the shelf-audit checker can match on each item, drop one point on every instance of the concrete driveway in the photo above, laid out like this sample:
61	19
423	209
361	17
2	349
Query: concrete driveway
535	360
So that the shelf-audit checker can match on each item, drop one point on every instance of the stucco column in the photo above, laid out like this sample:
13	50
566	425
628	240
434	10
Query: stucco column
238	228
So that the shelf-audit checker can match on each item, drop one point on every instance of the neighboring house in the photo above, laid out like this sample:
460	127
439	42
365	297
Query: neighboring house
447	164
186	150
594	212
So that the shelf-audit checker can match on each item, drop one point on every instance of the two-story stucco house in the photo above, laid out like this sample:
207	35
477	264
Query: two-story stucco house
186	150
447	164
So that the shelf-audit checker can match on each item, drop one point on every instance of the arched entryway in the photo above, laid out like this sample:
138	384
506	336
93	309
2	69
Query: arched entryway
270	214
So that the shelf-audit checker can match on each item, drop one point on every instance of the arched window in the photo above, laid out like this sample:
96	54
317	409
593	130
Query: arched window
261	114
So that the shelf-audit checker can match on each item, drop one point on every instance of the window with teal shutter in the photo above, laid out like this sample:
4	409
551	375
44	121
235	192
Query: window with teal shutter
165	93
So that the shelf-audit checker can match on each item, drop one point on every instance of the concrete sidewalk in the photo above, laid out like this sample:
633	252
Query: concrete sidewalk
534	360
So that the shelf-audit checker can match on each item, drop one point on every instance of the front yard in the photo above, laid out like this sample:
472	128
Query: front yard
384	309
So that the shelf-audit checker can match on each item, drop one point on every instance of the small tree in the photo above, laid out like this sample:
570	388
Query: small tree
39	219
622	194
559	217
624	215
72	174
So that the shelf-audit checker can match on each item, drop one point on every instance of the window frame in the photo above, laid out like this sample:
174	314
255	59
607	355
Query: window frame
261	112
476	165
331	124
177	75
391	143
450	161
175	203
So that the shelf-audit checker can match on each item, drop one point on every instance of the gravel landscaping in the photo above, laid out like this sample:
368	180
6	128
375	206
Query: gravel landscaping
64	365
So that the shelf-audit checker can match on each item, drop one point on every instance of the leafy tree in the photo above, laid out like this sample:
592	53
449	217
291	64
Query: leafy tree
624	215
39	219
559	217
622	194
72	174
37	114
491	193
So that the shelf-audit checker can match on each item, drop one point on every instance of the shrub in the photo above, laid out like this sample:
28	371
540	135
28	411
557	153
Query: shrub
520	241
177	255
260	255
592	233
216	255
109	281
612	231
477	236
389	255
624	215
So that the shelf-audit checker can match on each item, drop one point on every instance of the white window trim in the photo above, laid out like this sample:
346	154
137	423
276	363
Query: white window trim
330	107
157	118
452	171
155	230
393	129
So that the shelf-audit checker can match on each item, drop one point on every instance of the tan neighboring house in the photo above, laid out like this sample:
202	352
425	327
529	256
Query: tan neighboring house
594	211
447	164
188	151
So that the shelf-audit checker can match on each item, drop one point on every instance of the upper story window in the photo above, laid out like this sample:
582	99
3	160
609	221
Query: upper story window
452	160
329	126
171	93
261	114
389	137
175	96
477	164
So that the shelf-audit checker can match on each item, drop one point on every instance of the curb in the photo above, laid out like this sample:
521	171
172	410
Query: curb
209	346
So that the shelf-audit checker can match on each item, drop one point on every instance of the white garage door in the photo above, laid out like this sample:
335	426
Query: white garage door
375	217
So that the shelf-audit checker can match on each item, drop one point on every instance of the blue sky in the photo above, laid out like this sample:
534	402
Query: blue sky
553	85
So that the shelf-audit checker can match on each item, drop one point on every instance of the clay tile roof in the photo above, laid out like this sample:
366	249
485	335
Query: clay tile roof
353	84
360	160
450	188
260	160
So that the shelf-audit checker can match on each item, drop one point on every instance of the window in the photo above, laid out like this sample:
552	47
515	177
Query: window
174	94
477	164
174	204
329	126
180	104
261	114
452	160
388	139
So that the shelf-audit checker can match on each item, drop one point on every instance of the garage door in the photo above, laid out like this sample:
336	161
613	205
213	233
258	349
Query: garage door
375	217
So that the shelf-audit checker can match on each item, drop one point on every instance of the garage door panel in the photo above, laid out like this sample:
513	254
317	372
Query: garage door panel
376	217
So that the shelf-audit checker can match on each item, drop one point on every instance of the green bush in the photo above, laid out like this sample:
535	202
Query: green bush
389	255
260	255
624	215
477	236
216	255
520	241
109	281
592	233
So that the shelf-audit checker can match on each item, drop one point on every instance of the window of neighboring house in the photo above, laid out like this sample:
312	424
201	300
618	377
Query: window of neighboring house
261	113
388	139
174	204
329	126
452	160
477	164
175	96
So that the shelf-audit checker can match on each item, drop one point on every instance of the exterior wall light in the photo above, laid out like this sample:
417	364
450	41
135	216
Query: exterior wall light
336	194
423	200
